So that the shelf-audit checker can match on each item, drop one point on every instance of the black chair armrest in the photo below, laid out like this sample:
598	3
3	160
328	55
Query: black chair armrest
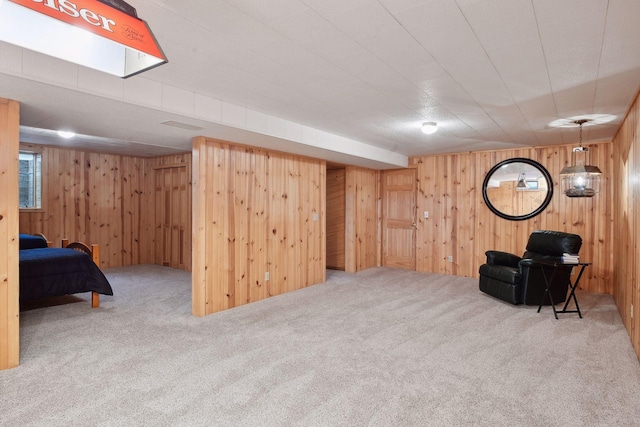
533	262
502	258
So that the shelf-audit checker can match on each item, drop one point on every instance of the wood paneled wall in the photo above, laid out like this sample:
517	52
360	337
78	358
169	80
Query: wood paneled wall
99	198
9	272
461	226
336	200
362	219
254	212
626	250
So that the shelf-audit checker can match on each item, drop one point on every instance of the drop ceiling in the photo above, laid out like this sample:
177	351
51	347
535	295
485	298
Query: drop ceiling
350	81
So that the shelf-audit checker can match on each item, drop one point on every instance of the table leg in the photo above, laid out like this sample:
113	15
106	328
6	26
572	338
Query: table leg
547	291
573	295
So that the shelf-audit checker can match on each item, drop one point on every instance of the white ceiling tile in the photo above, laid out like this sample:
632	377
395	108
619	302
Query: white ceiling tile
539	111
142	91
49	69
293	131
574	102
10	58
513	123
310	135
208	108
257	121
465	3
388	41
334	46
364	21
249	33
488	23
610	91
572	42
188	13
271	11
178	100
332	8
621	44
233	115
100	83
522	67
398	6
276	126
440	27
305	27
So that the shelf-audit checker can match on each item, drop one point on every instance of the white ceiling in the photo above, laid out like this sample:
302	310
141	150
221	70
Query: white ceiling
349	80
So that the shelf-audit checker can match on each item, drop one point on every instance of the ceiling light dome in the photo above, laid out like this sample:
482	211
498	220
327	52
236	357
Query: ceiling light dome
429	127
66	134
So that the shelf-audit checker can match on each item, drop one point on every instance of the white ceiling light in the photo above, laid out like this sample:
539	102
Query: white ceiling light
66	134
429	128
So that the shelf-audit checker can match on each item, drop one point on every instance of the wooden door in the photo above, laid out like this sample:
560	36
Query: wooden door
172	215
399	218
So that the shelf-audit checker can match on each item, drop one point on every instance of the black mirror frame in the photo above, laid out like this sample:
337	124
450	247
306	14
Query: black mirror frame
542	206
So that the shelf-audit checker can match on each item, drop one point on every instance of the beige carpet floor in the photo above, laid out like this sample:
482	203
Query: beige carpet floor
380	348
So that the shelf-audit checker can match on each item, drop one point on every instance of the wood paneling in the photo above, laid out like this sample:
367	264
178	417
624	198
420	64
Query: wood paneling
336	200
353	205
626	250
104	199
254	212
461	226
362	205
9	272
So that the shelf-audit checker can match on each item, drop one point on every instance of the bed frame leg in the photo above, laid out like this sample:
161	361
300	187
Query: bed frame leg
95	300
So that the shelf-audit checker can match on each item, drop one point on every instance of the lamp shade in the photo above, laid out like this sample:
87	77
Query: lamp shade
580	181
90	33
521	184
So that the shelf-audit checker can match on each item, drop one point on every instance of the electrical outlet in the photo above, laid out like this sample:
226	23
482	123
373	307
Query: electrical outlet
426	214
266	276
450	258
316	217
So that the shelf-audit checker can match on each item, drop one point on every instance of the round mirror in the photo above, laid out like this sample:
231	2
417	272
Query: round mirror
517	189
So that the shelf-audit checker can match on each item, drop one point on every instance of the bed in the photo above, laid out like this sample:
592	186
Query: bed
48	272
28	241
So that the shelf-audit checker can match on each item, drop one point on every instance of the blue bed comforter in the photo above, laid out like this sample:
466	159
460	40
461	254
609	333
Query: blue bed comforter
47	272
27	241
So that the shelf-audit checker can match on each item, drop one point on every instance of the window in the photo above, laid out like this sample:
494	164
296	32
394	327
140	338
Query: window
30	180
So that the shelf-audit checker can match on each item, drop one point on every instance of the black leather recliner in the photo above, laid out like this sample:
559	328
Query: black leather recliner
520	280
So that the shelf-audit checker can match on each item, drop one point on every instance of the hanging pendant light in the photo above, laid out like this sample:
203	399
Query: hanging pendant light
580	180
522	183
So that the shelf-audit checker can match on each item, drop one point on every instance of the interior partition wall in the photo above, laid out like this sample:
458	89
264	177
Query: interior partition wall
9	272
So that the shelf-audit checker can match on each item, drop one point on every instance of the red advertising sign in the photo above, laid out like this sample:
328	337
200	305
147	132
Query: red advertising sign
100	19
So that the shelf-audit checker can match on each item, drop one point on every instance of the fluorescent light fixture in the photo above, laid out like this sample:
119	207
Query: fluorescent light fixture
429	128
66	134
90	33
